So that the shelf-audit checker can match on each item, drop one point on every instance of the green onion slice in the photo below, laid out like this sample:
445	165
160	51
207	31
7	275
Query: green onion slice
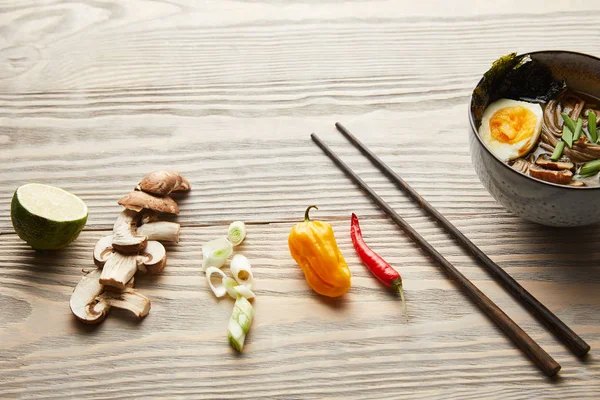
216	252
229	283
221	290
560	146
241	270
236	232
577	131
569	122
592	126
240	322
567	136
244	291
590	168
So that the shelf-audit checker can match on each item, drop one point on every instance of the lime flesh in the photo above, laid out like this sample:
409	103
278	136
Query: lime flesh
47	217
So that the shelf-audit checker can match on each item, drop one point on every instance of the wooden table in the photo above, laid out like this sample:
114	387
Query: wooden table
95	94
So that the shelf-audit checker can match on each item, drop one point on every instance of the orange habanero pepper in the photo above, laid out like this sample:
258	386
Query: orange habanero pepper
313	246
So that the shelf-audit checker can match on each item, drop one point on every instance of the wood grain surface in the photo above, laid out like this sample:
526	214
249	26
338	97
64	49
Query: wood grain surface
94	94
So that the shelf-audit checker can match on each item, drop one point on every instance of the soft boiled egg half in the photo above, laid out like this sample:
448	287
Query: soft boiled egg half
511	128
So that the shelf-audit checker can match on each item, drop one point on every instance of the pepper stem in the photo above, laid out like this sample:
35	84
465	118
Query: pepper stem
306	218
398	284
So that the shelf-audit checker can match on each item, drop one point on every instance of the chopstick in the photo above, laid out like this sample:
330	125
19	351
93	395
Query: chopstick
569	338
538	355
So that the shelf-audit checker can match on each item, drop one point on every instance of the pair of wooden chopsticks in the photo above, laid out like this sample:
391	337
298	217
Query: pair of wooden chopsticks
529	346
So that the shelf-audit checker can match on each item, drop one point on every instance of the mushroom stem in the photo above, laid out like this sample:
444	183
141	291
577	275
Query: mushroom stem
118	270
162	231
127	299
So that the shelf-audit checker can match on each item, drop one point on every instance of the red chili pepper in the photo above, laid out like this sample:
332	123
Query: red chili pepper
377	265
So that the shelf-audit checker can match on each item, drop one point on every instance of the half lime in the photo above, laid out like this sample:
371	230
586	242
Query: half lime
47	217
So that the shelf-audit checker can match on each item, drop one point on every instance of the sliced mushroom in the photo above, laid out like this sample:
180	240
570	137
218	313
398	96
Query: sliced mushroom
152	259
127	299
161	183
163	231
125	238
521	165
545	161
103	250
84	304
577	184
138	201
118	270
560	177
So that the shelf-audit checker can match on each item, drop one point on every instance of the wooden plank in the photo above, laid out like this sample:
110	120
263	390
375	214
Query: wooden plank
295	331
235	170
93	95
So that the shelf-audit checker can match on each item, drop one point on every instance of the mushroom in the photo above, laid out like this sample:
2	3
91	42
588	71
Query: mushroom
545	161
521	165
130	248
103	250
152	259
561	177
118	269
161	183
137	201
91	301
127	299
83	301
161	230
125	238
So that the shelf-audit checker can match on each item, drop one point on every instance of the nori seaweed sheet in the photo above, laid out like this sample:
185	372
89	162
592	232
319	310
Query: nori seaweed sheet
518	78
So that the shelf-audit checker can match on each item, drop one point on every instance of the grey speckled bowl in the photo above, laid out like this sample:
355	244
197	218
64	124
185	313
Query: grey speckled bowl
535	200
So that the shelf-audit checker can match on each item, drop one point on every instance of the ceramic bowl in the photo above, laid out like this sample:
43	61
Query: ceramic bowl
530	198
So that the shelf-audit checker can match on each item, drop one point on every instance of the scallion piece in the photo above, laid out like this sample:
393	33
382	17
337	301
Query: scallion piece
568	122
241	270
244	291
567	135
590	168
239	323
592	127
577	131
236	232
220	290
560	146
216	252
229	284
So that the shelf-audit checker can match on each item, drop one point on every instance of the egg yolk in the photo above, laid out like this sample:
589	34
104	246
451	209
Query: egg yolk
512	124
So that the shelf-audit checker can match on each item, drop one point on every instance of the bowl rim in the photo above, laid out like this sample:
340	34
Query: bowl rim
476	133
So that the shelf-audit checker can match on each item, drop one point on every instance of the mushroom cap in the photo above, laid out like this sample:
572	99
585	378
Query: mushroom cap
153	258
138	200
125	238
84	304
163	182
103	250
